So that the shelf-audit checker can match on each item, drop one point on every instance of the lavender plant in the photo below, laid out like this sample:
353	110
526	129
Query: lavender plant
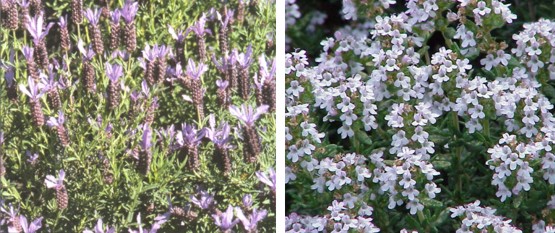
61	131
34	92
418	116
51	182
136	141
37	30
93	15
128	13
200	31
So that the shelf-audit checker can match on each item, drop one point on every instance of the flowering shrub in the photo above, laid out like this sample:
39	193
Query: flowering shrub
419	117
137	116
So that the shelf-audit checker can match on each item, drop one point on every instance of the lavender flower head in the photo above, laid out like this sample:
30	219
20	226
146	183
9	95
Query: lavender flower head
135	96
167	133
86	53
195	71
113	71
219	136
145	90
30	228
199	27
146	141
11	212
49	83
93	16
129	11
269	179
62	21
27	52
244	59
149	53
35	26
31	157
12	216
53	122
99	228
189	135
221	64
178	71
155	227
179	35
56	183
264	72
23	3
222	84
124	55
225	220
251	222
115	16
9	69
35	91
205	201
247	114
161	50
1	138
247	200
224	21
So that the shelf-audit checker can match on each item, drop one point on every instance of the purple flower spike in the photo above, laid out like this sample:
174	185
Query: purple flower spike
225	220
31	157
155	227
222	84
144	88
245	59
49	83
247	114
86	53
179	35
269	179
149	54
147	138
161	50
113	71
1	138
23	3
195	71
115	16
135	95
11	216
9	69
129	11
99	228
247	200
219	136
189	135
265	73
53	122
35	26
27	52
224	21
35	91
30	228
251	222
199	27
166	133
205	201
56	183
12	213
221	64
62	21
93	16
